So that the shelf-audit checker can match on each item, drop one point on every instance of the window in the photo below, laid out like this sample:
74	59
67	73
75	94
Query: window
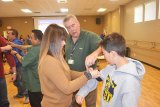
150	11
159	10
138	14
42	23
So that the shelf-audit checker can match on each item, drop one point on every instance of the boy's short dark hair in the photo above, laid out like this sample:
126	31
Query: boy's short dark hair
37	34
114	42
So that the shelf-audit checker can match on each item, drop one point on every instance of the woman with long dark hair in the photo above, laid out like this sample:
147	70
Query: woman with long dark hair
57	81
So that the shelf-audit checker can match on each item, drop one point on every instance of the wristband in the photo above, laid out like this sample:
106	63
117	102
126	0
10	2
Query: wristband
14	73
88	75
99	79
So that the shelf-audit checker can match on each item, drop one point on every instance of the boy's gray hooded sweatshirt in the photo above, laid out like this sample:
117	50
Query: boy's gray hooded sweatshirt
121	87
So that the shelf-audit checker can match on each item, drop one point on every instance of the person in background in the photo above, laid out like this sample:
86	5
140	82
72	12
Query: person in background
13	37
21	39
58	82
102	36
121	78
30	67
79	44
4	49
29	40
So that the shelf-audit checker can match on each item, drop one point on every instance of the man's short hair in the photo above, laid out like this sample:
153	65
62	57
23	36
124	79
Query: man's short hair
37	34
14	32
68	17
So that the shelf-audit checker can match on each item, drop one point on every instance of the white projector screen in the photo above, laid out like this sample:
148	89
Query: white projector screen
42	23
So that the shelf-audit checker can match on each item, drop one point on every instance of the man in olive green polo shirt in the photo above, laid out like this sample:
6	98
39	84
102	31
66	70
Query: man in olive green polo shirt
79	45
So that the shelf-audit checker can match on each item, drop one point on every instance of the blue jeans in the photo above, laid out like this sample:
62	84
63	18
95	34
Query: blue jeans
18	82
3	93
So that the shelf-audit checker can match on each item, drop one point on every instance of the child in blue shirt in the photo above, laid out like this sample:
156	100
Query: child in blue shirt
121	78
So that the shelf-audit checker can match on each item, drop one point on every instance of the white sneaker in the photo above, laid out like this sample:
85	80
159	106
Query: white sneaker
26	101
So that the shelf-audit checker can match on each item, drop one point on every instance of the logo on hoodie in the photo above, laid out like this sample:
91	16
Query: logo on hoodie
109	89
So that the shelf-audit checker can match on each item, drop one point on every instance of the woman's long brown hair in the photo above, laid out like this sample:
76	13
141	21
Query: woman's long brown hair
51	44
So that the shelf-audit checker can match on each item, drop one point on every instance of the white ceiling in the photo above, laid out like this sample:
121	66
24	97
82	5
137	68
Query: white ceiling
52	8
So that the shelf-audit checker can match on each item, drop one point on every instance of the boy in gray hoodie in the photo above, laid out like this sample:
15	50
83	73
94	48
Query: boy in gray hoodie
121	78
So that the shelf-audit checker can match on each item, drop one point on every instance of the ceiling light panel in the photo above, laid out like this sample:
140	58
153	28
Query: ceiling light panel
101	9
113	0
26	10
64	10
62	1
7	0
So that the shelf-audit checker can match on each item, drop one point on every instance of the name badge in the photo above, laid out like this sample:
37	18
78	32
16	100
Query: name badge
70	61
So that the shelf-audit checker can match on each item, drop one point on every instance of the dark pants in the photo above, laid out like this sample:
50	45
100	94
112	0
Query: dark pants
35	98
90	99
3	93
18	82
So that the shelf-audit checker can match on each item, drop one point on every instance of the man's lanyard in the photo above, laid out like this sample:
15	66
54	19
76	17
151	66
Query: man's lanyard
73	49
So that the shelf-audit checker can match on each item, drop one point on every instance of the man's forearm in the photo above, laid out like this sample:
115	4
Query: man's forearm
19	57
5	48
97	51
90	59
22	47
14	70
2	49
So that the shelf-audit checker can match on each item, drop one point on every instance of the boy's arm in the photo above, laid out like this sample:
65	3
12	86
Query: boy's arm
91	85
88	87
83	92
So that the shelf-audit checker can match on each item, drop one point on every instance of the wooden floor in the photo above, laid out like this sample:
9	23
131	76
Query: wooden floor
150	89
